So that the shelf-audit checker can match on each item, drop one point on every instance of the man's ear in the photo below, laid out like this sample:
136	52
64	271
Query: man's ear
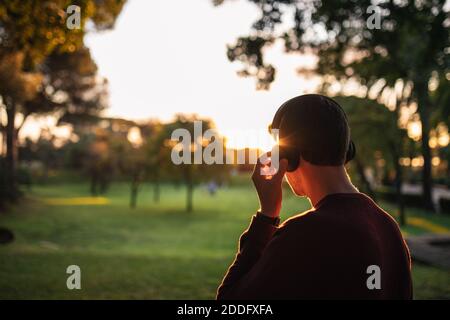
300	162
294	181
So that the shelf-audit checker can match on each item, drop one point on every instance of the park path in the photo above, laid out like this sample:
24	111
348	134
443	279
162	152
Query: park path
432	249
437	193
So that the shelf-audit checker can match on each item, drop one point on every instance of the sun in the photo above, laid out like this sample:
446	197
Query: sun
252	139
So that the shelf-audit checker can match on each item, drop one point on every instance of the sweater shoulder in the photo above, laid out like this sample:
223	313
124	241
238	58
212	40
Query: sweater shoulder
301	220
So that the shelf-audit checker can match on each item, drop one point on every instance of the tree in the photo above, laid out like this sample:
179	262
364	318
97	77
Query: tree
31	32
72	80
157	154
134	165
44	151
191	174
16	88
100	162
367	118
410	47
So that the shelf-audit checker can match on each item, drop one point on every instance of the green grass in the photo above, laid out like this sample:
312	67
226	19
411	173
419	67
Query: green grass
156	251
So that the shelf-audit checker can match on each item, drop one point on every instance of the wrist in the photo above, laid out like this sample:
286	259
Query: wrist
273	220
271	213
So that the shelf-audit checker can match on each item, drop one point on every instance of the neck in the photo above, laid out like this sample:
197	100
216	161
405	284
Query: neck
324	180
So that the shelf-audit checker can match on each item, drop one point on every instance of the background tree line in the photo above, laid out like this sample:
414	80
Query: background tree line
105	150
45	68
402	67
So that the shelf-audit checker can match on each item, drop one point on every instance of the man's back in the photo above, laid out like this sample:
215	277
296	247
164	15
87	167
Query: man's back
323	253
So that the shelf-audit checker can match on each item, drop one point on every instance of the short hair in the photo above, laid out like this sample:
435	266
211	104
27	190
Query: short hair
316	126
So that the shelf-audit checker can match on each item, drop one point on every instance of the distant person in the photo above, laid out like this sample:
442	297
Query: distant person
345	247
212	187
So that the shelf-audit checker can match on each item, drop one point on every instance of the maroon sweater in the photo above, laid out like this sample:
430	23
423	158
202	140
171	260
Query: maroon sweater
322	253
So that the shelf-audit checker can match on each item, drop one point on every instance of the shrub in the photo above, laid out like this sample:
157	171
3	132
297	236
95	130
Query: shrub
409	200
444	204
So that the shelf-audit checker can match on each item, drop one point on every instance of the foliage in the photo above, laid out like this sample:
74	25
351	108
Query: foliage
367	118
399	59
410	44
192	174
44	65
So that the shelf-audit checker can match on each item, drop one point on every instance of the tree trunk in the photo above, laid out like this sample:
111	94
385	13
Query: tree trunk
190	193
156	192
398	190
3	134
3	147
398	186
424	112
156	189
190	189
94	181
11	153
133	195
363	177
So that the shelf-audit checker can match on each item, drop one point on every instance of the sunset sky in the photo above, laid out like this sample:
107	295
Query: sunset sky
165	57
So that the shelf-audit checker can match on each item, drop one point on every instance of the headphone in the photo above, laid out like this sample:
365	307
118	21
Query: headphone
292	153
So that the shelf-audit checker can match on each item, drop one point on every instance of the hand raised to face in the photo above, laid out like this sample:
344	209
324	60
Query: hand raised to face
268	186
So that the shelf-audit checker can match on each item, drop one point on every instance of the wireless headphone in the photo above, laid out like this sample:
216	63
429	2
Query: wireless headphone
292	153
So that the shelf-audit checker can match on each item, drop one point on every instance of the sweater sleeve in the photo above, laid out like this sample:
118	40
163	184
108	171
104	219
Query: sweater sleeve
251	246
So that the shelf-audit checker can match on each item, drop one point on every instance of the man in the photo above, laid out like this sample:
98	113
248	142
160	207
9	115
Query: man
345	247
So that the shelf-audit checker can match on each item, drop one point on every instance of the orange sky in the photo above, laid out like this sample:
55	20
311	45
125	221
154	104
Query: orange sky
166	57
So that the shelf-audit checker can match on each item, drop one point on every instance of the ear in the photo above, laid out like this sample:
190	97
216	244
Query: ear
294	181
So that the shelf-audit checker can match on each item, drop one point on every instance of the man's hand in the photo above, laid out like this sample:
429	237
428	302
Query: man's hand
269	188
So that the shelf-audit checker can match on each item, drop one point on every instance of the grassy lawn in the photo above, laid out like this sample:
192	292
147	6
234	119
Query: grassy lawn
156	251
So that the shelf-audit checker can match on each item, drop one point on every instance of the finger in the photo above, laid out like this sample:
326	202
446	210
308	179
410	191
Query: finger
265	159
282	168
261	162
257	169
267	171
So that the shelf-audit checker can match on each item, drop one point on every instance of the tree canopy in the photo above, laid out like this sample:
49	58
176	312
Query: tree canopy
44	65
401	58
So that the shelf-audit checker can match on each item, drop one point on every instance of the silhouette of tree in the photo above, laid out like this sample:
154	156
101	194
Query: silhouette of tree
191	174
410	48
367	119
157	154
133	164
33	34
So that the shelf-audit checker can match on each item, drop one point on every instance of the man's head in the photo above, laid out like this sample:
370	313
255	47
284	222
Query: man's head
314	137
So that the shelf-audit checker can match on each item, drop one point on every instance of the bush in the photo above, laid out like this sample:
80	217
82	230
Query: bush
24	176
444	205
409	200
7	193
3	184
